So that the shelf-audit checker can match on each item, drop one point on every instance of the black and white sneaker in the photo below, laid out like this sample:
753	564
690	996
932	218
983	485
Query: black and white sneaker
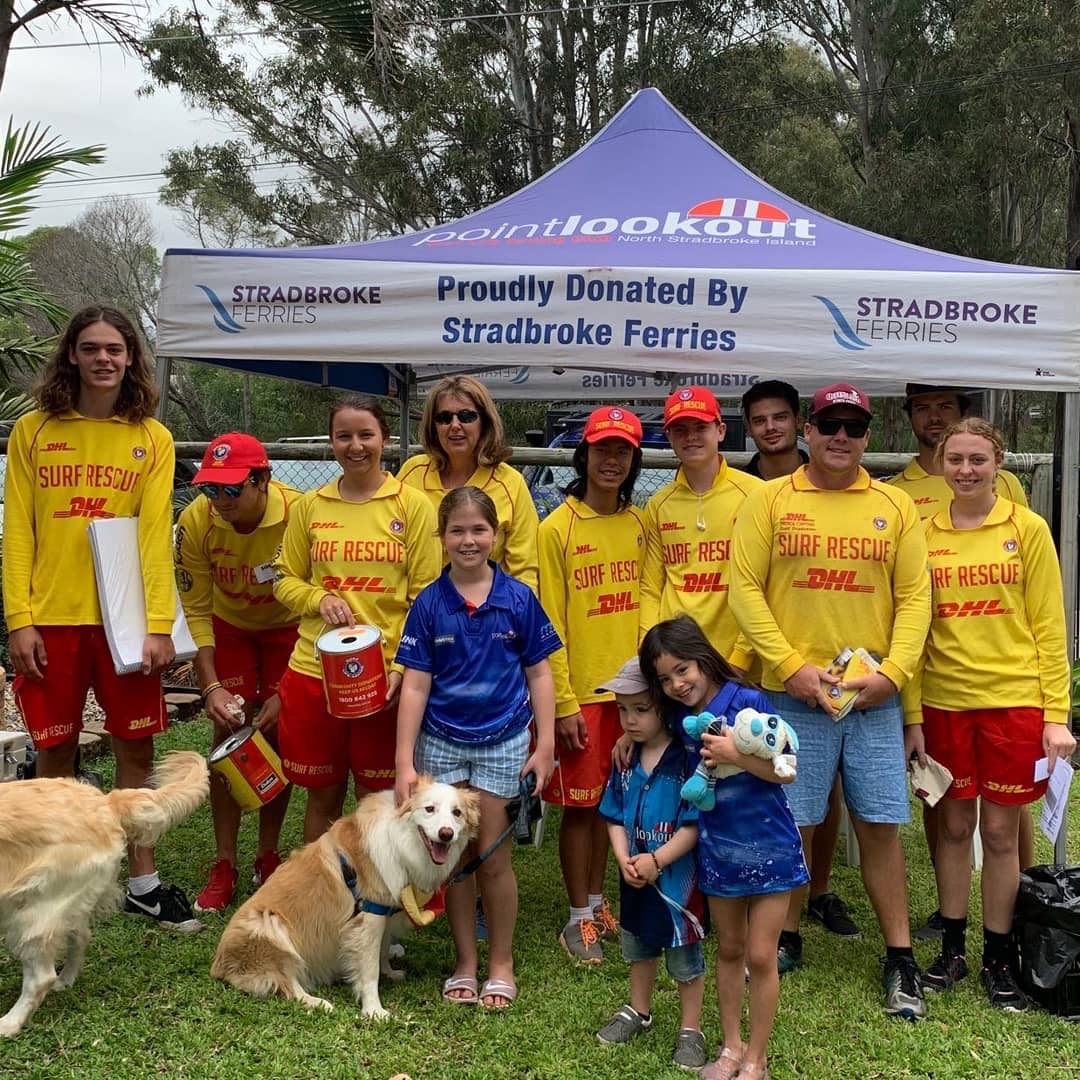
1001	988
166	905
904	995
945	972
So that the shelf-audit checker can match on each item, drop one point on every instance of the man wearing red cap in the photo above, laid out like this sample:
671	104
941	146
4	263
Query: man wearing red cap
853	553
224	551
591	552
690	522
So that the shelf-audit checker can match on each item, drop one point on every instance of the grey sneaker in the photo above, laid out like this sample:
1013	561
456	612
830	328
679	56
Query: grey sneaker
904	995
690	1050
581	940
624	1025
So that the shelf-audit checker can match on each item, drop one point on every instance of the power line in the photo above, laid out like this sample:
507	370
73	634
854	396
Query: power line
440	21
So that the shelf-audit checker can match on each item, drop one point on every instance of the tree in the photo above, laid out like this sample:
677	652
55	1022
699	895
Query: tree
478	105
29	155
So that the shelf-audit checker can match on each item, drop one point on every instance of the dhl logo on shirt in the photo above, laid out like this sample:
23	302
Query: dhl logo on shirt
584	549
81	507
670	526
820	577
57	447
703	583
610	603
971	609
939	552
796	519
327	525
355	584
925	500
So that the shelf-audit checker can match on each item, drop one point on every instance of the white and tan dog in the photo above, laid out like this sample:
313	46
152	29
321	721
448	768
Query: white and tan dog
301	929
61	843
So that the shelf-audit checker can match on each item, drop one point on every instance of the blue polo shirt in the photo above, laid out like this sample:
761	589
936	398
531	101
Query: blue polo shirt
477	658
651	810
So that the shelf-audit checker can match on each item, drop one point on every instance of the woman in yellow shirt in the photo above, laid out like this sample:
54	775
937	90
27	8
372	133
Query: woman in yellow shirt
991	697
464	444
357	550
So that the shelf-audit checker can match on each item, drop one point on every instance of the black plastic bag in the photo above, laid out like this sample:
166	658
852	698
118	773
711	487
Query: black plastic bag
1047	932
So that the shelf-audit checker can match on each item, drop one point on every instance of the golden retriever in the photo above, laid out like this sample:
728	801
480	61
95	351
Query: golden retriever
61	843
301	929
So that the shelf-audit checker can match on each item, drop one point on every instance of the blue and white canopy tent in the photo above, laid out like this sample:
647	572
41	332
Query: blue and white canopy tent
649	251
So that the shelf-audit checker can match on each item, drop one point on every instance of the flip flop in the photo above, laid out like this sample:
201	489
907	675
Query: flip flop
461	982
498	988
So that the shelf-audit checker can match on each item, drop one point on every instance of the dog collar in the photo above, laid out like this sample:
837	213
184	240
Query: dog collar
361	905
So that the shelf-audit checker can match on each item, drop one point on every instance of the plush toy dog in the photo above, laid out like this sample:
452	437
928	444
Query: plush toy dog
763	735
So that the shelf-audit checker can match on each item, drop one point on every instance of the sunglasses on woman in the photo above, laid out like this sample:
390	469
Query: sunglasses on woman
230	491
464	416
830	425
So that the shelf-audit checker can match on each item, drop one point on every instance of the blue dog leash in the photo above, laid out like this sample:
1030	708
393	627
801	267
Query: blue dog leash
359	903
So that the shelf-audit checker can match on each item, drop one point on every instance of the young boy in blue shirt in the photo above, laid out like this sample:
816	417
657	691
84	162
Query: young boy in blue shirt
653	835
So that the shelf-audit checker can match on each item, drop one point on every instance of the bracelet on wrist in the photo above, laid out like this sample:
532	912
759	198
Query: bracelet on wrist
208	690
656	862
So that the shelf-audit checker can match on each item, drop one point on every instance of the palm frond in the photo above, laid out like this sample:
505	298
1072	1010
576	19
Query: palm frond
13	404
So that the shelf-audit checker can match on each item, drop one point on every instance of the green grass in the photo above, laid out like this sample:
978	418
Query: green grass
146	1006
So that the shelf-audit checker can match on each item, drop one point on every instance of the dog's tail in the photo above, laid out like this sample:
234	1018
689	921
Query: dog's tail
179	784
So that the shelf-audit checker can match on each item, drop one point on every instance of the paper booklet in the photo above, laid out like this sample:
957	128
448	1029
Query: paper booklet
930	783
114	543
849	664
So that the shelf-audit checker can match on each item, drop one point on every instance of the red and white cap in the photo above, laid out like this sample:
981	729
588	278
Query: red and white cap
612	422
230	458
840	395
694	402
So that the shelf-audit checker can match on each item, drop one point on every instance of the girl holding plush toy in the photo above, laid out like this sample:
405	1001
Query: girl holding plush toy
749	852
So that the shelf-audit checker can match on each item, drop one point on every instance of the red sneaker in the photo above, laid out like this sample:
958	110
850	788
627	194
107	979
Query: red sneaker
218	891
265	865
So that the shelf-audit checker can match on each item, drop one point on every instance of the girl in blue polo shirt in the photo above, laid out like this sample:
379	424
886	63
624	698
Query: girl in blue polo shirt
749	852
474	650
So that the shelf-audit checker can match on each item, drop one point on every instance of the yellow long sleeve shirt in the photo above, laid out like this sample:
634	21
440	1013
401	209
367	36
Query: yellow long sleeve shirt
687	566
230	574
590	576
377	555
930	493
63	471
997	632
818	570
515	545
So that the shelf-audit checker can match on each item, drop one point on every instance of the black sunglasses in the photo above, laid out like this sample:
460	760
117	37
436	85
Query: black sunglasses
230	491
464	416
830	425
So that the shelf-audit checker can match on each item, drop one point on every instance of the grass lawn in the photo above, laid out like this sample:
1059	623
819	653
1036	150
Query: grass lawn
146	1006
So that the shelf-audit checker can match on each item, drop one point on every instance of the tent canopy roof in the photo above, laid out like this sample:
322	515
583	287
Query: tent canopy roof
678	201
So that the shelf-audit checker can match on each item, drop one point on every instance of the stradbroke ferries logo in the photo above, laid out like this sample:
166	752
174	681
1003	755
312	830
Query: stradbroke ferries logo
222	451
138	452
352	668
900	320
725	219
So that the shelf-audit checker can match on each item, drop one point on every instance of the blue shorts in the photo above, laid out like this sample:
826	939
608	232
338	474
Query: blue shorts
684	963
866	747
492	767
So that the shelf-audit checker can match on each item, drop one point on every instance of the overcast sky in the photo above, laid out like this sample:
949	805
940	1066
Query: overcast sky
87	95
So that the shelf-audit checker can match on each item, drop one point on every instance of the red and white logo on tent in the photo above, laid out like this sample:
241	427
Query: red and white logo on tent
728	207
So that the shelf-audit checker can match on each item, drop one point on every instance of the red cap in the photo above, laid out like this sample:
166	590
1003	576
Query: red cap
612	422
230	458
839	395
693	401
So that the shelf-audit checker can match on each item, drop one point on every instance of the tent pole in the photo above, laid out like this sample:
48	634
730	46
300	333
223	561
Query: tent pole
404	381
162	378
1069	551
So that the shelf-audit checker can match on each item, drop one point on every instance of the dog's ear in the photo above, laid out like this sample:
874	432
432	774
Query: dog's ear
423	782
470	805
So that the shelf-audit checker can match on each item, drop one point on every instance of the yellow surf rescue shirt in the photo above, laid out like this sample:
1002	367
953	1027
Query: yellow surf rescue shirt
817	570
688	567
515	544
997	632
931	493
377	555
590	576
62	472
230	574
